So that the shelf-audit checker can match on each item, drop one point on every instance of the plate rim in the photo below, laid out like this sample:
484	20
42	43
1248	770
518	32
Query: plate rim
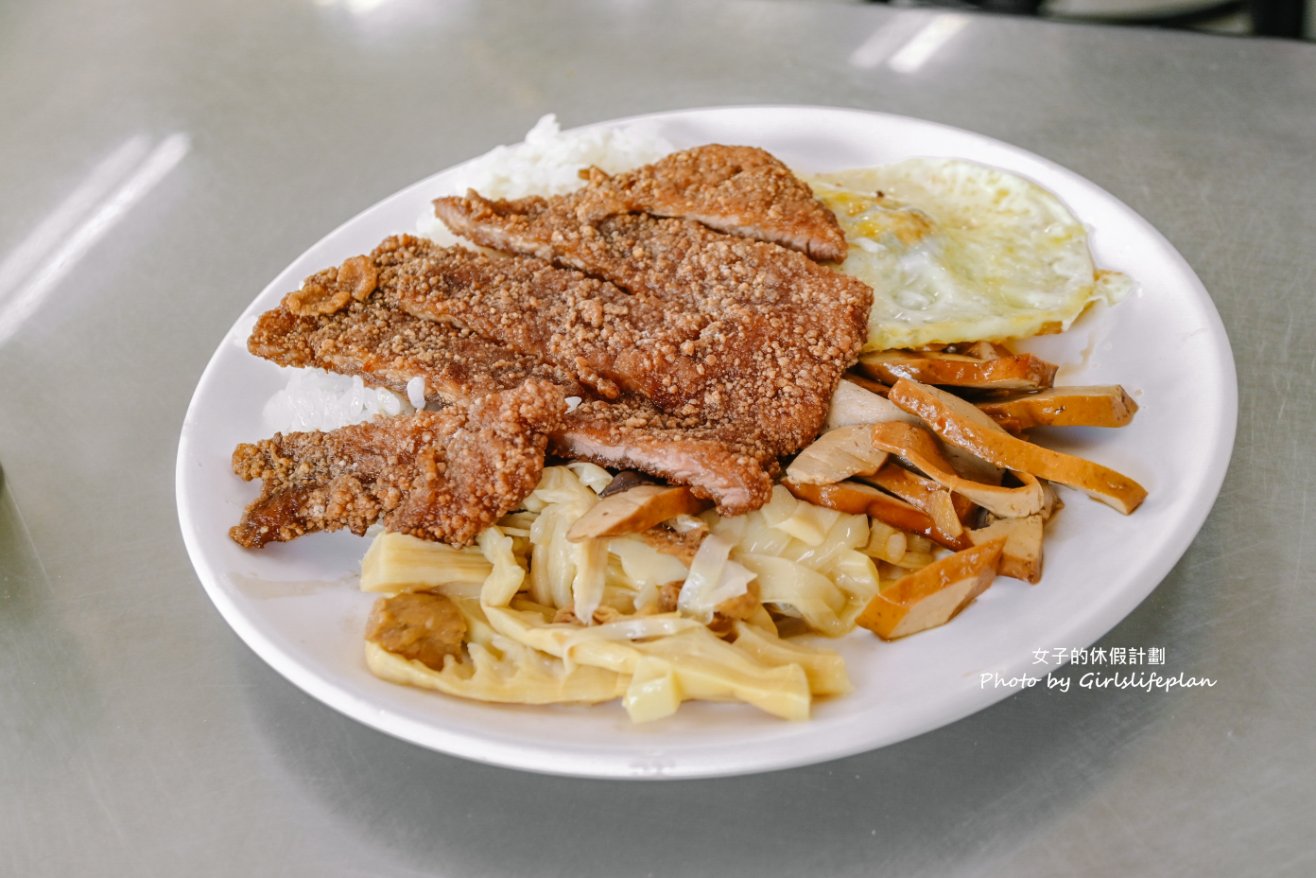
575	761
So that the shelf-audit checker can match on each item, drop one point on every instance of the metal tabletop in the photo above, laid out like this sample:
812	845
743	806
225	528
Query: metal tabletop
160	162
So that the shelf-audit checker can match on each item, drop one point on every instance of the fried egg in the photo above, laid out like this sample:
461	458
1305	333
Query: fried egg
958	251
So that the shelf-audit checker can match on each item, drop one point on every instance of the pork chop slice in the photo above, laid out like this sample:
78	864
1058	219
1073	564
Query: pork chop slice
632	435
371	337
604	337
777	329
741	190
438	475
470	323
389	347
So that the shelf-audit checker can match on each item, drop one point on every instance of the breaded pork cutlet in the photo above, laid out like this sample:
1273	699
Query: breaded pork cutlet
633	435
583	327
778	329
741	190
368	335
701	357
443	476
740	338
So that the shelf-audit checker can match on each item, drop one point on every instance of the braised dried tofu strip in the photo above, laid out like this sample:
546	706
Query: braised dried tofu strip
1102	406
741	190
441	476
983	350
633	511
926	494
963	424
858	401
858	499
919	447
1021	555
835	456
1008	372
681	545
933	595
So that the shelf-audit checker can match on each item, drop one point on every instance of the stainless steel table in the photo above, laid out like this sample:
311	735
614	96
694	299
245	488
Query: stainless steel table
159	162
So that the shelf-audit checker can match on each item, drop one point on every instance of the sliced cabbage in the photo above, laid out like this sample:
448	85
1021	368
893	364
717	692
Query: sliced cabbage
713	578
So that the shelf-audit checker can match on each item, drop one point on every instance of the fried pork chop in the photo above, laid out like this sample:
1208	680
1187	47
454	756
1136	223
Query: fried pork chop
631	434
470	324
369	336
776	329
702	357
741	190
584	327
443	476
388	347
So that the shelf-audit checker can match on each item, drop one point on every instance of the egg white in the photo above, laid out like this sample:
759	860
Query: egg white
958	251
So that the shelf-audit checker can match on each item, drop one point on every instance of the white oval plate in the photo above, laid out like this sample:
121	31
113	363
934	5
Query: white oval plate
297	605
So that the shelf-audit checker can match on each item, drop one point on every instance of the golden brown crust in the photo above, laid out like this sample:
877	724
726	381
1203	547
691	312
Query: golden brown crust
775	330
579	325
629	434
740	190
388	347
441	476
700	357
332	289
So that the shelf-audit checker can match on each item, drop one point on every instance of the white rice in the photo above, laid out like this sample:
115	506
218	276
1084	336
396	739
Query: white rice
317	400
546	163
416	392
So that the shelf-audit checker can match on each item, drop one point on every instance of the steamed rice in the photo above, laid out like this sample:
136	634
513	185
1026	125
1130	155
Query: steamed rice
317	400
546	163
